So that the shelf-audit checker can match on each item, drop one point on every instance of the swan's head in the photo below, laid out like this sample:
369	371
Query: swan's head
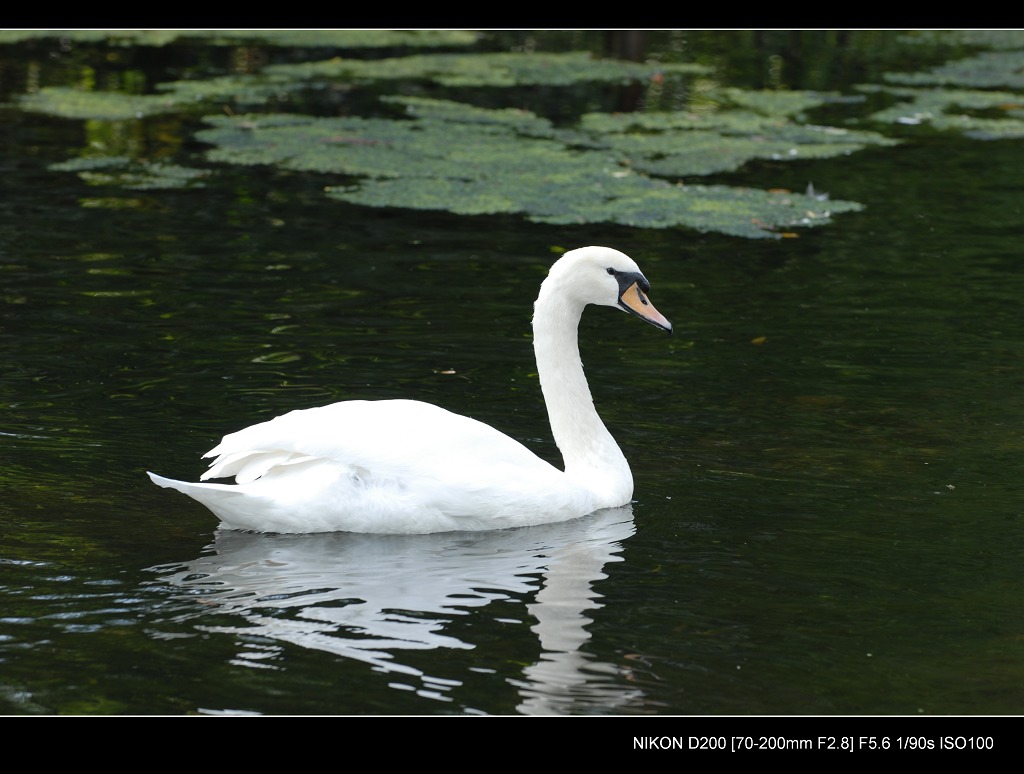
603	276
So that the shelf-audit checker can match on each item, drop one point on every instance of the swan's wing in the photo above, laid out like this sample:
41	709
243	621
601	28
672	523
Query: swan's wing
381	466
399	439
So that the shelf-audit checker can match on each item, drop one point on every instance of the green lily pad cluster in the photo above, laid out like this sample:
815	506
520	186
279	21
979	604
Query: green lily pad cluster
352	39
950	97
987	70
474	161
132	174
986	39
956	110
65	102
497	70
634	168
255	89
446	155
489	69
752	125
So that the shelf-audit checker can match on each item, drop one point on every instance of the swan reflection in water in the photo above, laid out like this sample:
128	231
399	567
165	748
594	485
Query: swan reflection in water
374	598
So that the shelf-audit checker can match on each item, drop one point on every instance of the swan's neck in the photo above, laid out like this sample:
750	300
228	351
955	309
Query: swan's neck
591	456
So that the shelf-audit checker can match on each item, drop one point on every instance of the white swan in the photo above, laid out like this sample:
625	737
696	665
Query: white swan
402	466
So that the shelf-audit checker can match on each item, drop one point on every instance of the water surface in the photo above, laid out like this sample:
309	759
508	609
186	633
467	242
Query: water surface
827	451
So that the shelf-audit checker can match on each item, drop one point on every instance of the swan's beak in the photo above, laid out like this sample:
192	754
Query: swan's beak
634	301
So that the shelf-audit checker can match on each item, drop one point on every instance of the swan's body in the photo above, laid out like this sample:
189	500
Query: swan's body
403	466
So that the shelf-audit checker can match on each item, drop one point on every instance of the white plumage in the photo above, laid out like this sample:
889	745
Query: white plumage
402	466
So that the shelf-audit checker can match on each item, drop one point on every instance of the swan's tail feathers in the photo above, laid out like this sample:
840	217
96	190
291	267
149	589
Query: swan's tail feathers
204	493
248	465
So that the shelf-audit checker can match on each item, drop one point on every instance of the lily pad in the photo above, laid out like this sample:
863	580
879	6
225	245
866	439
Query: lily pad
255	89
987	70
470	160
488	69
990	39
681	144
364	38
449	156
66	102
609	198
978	96
131	174
956	109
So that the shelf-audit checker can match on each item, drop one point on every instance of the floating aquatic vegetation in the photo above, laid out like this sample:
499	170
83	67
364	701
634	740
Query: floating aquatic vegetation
115	37
776	102
66	102
488	69
590	197
987	70
254	89
364	38
470	160
444	155
521	121
180	96
247	89
682	144
951	109
131	174
453	70
706	153
975	79
991	39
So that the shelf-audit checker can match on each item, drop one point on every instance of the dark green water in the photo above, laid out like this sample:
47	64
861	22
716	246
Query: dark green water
827	452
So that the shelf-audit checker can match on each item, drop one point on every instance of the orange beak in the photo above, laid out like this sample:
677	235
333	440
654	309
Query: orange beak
634	301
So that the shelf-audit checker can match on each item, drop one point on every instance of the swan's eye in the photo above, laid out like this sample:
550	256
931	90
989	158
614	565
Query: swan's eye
611	271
